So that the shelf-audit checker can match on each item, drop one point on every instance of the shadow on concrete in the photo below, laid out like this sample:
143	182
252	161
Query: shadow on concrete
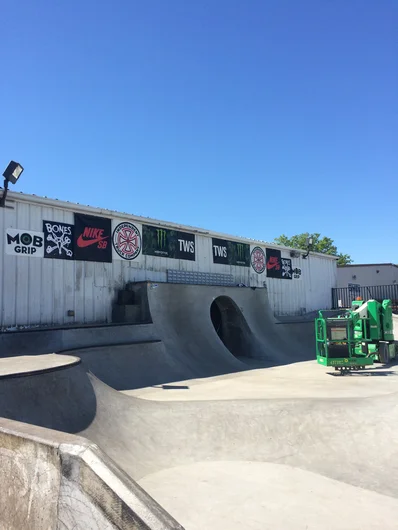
364	373
63	400
173	387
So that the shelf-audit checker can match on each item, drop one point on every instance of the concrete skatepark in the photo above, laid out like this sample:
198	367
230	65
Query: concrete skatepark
212	415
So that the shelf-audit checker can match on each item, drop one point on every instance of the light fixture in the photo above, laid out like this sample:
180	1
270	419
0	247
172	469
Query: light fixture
11	174
309	242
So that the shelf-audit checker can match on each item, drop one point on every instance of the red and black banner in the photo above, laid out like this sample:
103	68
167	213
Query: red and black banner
274	265
278	267
92	238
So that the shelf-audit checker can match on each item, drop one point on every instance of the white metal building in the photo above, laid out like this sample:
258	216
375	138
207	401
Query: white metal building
63	263
365	275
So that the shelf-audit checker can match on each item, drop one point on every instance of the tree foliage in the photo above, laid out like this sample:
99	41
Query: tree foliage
323	245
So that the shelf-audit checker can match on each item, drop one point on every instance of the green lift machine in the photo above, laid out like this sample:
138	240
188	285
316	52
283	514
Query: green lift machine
355	338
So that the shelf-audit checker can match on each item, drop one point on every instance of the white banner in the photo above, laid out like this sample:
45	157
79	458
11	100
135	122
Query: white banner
258	260
24	243
297	272
126	240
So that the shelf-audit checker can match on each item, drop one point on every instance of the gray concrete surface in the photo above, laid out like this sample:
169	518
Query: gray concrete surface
272	442
26	364
52	480
305	379
48	340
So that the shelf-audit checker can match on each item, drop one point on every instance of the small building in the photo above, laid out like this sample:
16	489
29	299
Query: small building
367	275
64	263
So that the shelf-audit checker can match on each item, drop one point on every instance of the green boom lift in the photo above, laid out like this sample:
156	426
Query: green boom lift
356	337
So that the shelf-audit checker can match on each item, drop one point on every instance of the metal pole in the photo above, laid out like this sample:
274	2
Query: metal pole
3	199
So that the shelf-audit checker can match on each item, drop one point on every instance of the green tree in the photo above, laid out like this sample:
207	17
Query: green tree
323	245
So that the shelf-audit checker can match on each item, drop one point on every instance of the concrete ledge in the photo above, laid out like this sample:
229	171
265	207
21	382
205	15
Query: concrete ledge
35	364
51	480
34	342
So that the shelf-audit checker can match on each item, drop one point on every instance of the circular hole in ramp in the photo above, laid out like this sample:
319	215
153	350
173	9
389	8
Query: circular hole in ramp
230	325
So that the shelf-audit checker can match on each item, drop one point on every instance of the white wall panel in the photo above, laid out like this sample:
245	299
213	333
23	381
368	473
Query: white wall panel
40	291
367	275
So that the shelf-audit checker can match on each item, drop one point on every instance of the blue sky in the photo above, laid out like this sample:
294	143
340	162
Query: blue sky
253	118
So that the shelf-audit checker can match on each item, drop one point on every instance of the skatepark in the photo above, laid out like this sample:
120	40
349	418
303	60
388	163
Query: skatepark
217	416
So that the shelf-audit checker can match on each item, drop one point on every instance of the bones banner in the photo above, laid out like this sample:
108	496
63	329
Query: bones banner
58	240
126	240
287	273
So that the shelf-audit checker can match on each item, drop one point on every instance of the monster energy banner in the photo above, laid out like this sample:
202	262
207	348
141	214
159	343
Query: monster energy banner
230	252
167	243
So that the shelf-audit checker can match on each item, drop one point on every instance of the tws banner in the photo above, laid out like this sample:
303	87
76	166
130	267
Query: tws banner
168	243
230	252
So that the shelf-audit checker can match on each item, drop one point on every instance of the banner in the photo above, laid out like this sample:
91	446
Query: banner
92	238
258	260
167	243
126	240
230	252
24	243
287	272
296	273
274	265
58	240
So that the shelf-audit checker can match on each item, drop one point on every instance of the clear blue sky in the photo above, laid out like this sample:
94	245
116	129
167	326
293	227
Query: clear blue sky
250	117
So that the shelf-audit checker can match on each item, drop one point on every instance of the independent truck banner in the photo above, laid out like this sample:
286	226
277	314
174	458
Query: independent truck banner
126	240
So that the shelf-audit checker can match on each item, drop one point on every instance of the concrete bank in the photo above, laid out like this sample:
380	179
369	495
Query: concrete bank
52	480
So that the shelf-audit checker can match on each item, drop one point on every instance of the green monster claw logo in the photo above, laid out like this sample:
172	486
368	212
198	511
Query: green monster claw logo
240	251
161	237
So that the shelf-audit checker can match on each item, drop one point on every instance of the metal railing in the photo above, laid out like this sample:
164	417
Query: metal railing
343	296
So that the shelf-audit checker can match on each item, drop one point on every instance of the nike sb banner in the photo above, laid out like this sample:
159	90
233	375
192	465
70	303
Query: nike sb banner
230	252
166	243
92	238
274	265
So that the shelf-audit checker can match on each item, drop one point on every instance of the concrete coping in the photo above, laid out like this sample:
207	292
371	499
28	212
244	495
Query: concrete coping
34	364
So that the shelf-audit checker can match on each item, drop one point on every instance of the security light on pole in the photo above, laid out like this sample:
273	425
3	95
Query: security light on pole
309	242
11	174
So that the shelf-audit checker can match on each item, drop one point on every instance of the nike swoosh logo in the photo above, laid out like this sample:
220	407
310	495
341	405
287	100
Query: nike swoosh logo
87	242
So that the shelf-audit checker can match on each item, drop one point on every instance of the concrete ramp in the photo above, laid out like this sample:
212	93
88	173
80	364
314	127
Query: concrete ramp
182	316
53	479
201	331
162	444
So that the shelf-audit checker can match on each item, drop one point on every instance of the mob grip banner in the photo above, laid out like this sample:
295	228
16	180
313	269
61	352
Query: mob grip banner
24	243
230	252
92	238
168	243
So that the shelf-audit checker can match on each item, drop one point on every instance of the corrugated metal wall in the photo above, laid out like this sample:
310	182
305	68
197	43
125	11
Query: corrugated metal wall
36	291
